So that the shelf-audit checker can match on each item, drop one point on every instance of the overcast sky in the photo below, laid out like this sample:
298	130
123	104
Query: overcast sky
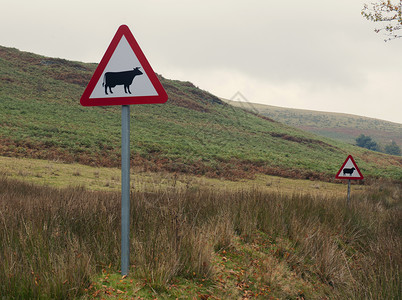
311	54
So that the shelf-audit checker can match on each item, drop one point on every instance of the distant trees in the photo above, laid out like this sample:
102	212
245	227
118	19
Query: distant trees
393	149
367	142
388	13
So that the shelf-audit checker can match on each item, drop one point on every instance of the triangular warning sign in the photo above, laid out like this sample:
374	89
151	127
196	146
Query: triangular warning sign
123	76
349	170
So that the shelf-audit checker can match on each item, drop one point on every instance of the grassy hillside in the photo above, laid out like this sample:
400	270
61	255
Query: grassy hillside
194	132
338	126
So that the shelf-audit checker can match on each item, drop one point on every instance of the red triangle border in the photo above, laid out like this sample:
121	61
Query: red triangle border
161	96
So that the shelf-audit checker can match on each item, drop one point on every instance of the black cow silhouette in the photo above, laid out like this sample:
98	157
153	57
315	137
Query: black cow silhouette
348	171
111	79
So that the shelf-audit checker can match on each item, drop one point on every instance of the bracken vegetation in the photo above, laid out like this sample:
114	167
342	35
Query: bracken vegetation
195	241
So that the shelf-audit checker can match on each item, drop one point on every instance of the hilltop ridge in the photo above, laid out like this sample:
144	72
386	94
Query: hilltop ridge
338	126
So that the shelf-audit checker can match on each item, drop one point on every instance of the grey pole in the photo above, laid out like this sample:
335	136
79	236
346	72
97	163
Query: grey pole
125	189
348	192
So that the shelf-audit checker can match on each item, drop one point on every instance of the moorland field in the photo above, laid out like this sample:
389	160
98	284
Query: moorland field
225	203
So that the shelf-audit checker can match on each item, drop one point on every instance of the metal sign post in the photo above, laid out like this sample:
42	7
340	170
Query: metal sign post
348	202
125	189
123	61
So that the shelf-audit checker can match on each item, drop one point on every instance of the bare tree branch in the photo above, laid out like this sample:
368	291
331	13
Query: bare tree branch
389	12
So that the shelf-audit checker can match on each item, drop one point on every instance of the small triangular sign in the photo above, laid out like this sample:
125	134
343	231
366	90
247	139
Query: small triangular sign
123	76
349	170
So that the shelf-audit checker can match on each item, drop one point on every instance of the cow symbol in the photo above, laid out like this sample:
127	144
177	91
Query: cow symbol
111	79
348	171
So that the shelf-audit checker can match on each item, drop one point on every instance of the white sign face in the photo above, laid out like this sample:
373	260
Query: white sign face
123	76
349	170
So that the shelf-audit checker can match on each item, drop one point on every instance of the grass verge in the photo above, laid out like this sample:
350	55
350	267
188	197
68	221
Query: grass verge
60	175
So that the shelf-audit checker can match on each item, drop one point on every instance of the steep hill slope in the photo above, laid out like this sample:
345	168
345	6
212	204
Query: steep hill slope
195	132
344	127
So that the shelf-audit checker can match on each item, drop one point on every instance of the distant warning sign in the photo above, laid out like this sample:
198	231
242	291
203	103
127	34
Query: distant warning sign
349	170
123	76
